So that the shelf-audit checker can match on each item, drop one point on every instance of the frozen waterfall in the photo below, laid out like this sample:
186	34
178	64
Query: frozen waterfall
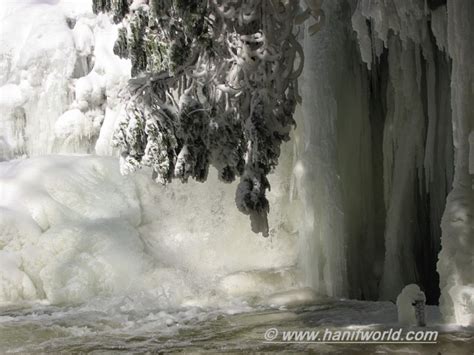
375	190
386	120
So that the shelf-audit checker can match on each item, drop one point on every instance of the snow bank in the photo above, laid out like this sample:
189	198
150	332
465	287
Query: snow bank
72	228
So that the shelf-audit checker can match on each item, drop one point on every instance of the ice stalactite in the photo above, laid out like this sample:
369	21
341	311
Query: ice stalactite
404	133
456	260
334	169
376	162
417	138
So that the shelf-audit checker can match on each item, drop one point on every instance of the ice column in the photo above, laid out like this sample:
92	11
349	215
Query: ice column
406	39
456	259
335	170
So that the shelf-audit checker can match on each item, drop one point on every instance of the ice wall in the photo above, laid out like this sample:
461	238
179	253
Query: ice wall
59	80
417	146
377	156
430	116
456	260
335	164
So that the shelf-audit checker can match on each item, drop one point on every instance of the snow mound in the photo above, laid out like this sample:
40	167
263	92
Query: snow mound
72	228
406	301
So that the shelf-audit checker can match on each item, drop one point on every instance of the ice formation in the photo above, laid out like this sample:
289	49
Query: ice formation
69	223
59	78
410	306
417	146
456	264
386	120
72	228
374	192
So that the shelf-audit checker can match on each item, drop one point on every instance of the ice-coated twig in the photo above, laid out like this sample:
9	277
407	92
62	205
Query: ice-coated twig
216	84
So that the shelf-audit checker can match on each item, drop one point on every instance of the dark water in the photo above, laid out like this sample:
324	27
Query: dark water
122	326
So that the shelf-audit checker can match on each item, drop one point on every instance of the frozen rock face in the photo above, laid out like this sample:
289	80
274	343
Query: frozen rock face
59	78
411	306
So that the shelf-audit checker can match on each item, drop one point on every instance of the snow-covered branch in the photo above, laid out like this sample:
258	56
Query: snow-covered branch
215	84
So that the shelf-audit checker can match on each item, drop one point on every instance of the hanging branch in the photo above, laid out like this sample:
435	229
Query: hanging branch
215	82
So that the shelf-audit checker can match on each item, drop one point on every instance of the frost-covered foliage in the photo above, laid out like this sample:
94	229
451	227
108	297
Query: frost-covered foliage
214	84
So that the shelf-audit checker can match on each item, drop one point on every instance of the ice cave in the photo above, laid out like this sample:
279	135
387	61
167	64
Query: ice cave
220	175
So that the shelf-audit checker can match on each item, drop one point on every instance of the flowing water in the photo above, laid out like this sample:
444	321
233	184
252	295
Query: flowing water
127	325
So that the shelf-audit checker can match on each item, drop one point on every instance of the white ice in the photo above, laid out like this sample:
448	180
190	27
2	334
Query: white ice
72	229
405	301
